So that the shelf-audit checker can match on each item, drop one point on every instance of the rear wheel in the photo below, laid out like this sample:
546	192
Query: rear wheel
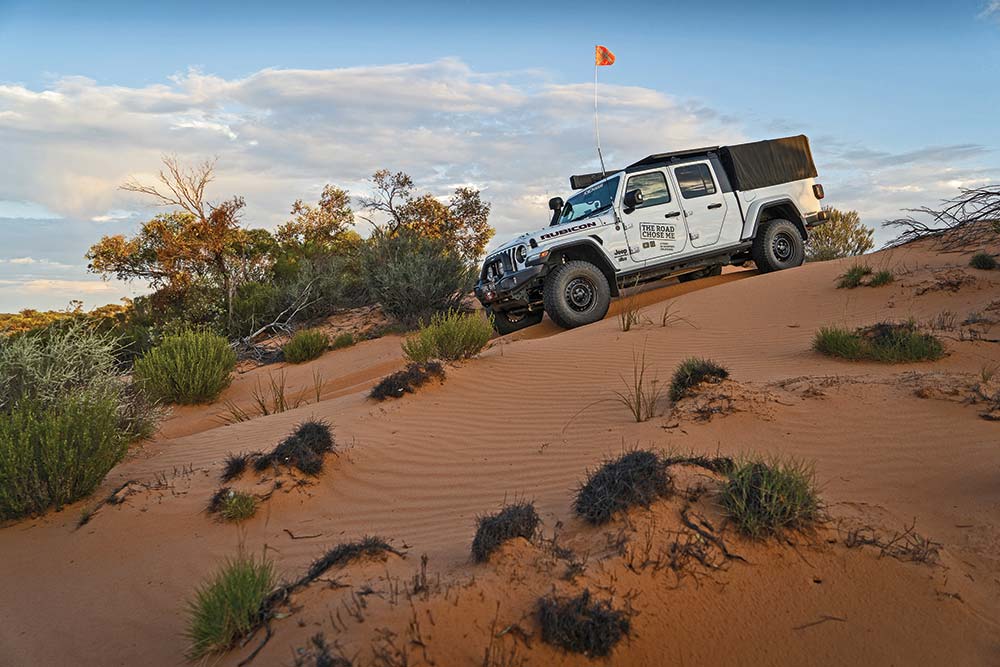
778	245
504	322
576	293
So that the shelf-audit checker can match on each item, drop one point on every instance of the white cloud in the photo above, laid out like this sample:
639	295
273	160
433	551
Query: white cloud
69	286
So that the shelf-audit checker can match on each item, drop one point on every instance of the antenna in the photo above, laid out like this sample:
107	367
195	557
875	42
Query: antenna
597	125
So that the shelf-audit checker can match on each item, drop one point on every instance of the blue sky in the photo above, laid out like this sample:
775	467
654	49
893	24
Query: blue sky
899	99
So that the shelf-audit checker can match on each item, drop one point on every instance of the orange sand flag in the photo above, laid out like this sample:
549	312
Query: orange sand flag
603	56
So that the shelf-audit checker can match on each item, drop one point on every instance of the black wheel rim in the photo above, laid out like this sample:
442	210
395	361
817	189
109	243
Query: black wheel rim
580	294
782	246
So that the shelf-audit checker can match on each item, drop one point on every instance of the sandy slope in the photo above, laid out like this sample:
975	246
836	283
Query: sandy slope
892	444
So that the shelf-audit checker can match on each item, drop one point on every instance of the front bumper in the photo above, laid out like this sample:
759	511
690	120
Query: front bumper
510	291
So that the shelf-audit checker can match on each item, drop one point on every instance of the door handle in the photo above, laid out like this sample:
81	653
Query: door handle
711	206
672	215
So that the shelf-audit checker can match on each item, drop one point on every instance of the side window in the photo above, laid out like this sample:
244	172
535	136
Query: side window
694	180
653	186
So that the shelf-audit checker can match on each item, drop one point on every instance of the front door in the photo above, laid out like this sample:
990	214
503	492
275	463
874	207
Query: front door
705	207
655	228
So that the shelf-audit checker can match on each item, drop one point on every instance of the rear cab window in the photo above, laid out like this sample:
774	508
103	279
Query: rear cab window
694	180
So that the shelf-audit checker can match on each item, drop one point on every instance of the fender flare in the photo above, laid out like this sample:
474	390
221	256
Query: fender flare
757	208
587	250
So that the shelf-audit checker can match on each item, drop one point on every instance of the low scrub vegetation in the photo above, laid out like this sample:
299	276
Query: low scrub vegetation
191	367
232	505
229	605
842	235
765	497
305	345
492	530
692	372
581	624
304	449
642	393
66	416
406	381
635	479
884	342
343	340
450	336
370	546
862	275
983	261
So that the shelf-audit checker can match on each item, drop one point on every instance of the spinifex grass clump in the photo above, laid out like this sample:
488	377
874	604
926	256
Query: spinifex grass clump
449	336
305	345
367	547
406	381
854	276
303	449
343	340
885	342
516	520
232	505
693	371
636	478
235	465
642	392
581	624
983	261
764	497
193	367
229	605
880	278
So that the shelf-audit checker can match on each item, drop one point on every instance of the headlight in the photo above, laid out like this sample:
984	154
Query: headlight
521	254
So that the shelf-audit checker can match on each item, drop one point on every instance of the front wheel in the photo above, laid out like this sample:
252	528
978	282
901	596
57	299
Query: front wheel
505	322
576	293
778	245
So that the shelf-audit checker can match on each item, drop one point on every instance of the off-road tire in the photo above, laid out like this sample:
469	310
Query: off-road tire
778	245
704	273
576	293
504	324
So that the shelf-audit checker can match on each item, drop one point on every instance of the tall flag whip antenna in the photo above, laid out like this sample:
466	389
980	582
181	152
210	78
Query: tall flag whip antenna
602	58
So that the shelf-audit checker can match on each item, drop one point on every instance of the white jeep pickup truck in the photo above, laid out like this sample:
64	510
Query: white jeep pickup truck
684	214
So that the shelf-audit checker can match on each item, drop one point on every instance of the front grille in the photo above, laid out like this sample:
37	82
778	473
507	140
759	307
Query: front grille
500	264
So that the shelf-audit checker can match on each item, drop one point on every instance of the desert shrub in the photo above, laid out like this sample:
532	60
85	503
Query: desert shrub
234	466
345	339
228	606
885	342
763	498
880	278
449	337
517	520
854	276
406	381
56	452
636	478
233	505
581	624
642	393
305	345
414	277
693	371
191	367
303	449
842	235
254	305
984	261
367	547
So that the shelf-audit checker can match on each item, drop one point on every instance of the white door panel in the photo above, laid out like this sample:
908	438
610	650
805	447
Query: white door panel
703	202
656	228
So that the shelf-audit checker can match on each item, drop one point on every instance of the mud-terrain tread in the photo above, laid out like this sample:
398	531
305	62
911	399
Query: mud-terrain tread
761	250
554	286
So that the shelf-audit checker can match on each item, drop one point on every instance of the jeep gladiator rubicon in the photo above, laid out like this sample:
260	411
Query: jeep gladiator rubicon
684	214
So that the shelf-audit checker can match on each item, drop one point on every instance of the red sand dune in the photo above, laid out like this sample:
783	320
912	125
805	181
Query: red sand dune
892	445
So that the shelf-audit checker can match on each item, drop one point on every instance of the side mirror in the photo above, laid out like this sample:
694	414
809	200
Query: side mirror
556	204
632	199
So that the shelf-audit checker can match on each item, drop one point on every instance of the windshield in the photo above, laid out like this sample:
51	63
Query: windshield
592	200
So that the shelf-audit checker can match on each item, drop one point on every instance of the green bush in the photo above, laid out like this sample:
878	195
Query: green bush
306	345
880	278
853	276
885	342
228	606
192	367
693	371
233	505
842	235
415	277
766	497
449	337
56	452
343	340
983	261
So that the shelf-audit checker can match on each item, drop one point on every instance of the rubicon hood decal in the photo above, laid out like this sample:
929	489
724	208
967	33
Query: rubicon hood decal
568	230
